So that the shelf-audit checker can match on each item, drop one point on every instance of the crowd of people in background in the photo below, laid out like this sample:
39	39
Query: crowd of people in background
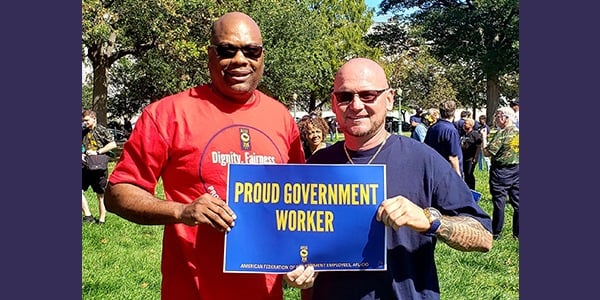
465	145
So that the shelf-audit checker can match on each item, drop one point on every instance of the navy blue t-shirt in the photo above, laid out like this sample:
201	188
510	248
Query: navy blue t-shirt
445	139
418	173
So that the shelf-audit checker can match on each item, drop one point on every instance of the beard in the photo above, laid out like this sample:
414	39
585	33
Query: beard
360	131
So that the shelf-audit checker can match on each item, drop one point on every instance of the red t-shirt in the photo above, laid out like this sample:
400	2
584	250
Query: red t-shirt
188	139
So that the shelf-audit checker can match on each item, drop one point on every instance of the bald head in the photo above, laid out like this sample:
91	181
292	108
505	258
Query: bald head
235	21
360	74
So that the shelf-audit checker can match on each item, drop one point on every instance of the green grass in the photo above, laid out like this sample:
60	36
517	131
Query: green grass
121	260
474	275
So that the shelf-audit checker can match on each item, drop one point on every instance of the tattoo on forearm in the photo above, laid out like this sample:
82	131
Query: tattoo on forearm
464	233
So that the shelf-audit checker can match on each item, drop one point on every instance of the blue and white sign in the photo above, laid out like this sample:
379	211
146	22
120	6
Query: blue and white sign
293	214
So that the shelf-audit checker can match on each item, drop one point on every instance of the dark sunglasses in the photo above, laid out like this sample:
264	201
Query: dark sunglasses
368	96
228	51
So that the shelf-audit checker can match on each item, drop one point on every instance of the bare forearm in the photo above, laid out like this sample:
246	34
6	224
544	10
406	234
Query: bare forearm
107	147
137	205
484	144
464	233
455	164
485	152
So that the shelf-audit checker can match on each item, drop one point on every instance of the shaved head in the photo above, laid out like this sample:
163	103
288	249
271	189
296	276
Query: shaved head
235	21
360	74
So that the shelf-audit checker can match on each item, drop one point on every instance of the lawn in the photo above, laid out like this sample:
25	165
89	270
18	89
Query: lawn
121	260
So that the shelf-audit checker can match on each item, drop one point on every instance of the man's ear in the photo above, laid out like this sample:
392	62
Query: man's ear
390	100
334	106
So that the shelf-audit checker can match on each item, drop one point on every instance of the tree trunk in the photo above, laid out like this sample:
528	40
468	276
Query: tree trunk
493	97
312	103
100	94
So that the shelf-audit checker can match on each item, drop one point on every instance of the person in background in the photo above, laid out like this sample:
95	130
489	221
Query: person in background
312	131
514	104
459	123
471	148
482	123
96	140
188	139
444	138
503	148
435	114
426	200
428	118
416	118
85	208
333	126
482	159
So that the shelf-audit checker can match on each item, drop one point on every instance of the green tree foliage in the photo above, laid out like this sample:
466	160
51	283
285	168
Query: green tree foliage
288	33
344	24
392	37
509	85
153	75
87	89
423	80
469	84
113	29
483	34
306	41
86	95
290	30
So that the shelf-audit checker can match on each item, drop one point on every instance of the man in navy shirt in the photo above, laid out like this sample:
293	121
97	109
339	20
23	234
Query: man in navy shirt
460	122
426	200
415	119
444	137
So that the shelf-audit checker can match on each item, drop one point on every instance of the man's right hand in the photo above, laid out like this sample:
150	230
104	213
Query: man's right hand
209	210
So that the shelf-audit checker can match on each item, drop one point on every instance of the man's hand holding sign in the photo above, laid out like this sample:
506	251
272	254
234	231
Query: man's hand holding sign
209	210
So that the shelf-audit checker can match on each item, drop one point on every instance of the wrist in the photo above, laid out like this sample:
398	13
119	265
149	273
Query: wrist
434	217
435	225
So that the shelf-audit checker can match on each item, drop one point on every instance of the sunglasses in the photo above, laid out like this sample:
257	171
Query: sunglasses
228	51
369	96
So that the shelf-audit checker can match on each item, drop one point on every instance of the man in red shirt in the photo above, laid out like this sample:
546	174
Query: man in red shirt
188	139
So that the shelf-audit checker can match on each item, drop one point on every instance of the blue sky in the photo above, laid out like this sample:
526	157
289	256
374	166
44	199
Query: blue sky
375	4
